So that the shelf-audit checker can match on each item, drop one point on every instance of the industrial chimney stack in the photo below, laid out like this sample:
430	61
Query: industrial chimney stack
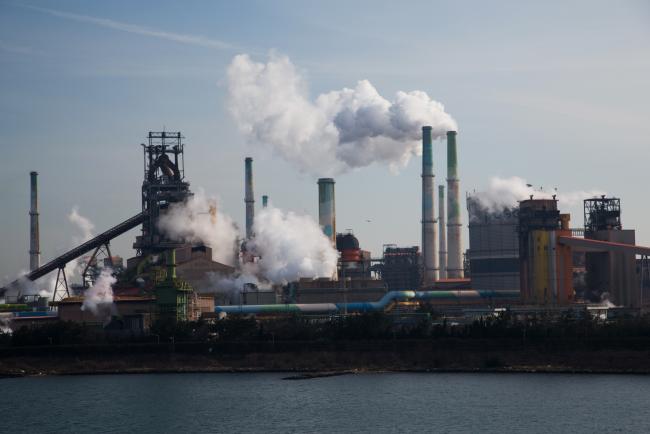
249	198
327	208
442	251
454	225
265	201
430	260
34	244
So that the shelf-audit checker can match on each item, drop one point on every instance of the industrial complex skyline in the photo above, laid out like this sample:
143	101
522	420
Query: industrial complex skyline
557	97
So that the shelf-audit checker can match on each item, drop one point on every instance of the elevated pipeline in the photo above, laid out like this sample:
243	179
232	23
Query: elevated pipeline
369	306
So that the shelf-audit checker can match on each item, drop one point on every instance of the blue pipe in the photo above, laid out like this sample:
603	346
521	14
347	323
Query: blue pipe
368	306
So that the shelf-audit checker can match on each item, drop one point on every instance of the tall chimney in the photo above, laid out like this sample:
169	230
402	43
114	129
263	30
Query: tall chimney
265	201
327	208
454	225
34	243
442	253
249	198
430	260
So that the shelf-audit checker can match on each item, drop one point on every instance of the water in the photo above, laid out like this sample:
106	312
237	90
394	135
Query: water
445	403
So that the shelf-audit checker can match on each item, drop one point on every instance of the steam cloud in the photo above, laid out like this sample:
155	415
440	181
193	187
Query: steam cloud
504	193
340	130
25	286
288	246
291	246
99	297
198	220
85	225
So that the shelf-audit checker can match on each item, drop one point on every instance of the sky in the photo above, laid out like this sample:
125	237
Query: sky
553	92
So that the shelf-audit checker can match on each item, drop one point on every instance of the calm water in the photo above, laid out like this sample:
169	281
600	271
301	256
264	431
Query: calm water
452	403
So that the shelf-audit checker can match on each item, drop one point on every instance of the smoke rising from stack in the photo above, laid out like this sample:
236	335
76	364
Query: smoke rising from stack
291	246
339	130
83	224
198	220
27	287
504	193
99	298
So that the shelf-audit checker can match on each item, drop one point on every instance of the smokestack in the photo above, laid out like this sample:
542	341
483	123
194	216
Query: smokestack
442	253
265	201
34	243
429	255
248	198
327	208
454	225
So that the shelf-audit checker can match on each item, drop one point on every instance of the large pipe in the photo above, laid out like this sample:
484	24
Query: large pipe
249	198
454	225
327	208
34	243
442	251
371	306
430	259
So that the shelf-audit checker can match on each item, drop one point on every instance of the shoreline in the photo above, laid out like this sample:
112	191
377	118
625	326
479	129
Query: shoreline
46	367
318	374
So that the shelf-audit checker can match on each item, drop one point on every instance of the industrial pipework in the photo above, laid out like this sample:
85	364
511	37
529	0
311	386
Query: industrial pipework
429	255
368	306
454	225
327	208
442	253
248	196
34	243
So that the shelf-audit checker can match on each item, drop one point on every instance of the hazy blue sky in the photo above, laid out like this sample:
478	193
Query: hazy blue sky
555	92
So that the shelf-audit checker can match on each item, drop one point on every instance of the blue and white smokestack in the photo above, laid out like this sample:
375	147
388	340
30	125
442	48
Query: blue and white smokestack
248	196
327	208
429	255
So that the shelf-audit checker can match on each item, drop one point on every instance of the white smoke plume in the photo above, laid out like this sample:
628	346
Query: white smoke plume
291	246
23	286
5	324
233	285
288	246
339	130
83	224
99	297
504	193
198	220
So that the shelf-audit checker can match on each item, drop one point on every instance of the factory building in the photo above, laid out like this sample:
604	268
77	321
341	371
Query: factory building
546	270
520	254
354	263
400	268
494	246
612	274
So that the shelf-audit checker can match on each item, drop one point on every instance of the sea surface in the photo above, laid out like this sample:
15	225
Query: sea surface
377	403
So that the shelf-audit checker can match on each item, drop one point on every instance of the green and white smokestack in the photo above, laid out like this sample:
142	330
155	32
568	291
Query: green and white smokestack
429	255
454	225
327	208
248	196
442	250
